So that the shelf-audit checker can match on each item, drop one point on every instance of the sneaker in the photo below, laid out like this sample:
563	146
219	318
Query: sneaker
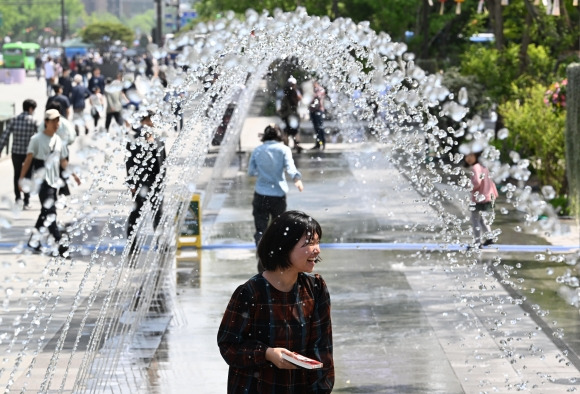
26	206
35	249
63	251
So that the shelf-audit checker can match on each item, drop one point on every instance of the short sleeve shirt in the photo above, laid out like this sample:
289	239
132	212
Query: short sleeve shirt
50	150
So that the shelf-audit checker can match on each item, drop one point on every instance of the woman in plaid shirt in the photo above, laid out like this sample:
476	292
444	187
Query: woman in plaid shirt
282	310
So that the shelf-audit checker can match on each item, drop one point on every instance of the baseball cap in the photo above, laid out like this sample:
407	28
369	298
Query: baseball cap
292	80
51	114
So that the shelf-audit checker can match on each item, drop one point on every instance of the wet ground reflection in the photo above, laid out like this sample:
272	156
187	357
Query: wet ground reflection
384	341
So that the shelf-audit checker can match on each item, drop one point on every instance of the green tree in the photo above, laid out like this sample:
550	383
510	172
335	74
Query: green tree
97	17
103	33
498	71
28	20
143	23
537	133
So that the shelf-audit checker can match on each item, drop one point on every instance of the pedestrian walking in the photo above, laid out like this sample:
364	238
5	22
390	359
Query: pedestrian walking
97	101
316	110
49	75
78	96
268	162
22	128
96	80
45	151
281	311
483	197
66	81
145	173
66	129
38	66
289	113
67	133
61	99
114	96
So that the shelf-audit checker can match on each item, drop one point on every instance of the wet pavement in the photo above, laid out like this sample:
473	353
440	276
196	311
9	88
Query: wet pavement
405	320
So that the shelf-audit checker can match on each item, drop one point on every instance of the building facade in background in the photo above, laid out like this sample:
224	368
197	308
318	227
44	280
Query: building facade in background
119	8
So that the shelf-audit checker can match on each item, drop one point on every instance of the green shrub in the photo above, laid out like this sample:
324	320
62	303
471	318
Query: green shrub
562	205
536	133
499	72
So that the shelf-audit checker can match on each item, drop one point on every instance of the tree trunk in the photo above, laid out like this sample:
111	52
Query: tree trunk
335	13
524	61
496	17
573	137
564	15
423	29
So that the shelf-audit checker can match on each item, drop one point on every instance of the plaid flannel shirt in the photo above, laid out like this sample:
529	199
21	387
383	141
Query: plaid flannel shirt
23	127
259	316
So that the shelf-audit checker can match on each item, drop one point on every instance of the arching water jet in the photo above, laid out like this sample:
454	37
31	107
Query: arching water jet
377	86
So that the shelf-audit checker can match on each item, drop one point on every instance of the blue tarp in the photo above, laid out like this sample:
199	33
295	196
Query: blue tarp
70	52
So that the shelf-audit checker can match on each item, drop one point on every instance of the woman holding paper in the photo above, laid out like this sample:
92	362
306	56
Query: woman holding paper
283	310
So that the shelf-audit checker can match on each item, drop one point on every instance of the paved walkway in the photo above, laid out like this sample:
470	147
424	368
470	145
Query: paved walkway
405	321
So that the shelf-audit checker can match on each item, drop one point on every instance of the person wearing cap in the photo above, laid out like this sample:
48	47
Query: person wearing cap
145	172
268	163
45	151
67	133
289	113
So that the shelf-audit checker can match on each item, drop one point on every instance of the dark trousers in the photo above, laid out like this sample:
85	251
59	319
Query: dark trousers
110	116
49	82
135	214
264	208
290	131
47	196
318	123
17	161
96	118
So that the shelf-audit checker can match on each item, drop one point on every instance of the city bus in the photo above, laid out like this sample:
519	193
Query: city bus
20	55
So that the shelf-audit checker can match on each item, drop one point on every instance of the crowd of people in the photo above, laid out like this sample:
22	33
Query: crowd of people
80	97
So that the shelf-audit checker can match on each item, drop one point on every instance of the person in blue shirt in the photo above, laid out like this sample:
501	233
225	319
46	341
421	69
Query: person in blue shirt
268	162
78	96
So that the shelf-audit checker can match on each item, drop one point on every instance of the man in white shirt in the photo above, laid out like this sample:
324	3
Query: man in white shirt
49	73
46	153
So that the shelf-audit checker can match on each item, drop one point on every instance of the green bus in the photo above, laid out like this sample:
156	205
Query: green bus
20	55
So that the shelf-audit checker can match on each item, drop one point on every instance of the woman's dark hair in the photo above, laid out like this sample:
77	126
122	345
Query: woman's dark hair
282	235
272	133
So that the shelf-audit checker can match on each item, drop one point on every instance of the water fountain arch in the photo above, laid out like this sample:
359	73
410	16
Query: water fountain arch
377	86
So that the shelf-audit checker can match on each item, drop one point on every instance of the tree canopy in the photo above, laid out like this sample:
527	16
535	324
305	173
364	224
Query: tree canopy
104	33
27	20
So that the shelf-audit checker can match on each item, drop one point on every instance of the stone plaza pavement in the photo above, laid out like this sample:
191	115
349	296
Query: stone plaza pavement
405	320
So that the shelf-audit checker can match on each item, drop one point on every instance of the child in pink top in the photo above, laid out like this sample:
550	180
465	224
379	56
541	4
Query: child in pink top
483	195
